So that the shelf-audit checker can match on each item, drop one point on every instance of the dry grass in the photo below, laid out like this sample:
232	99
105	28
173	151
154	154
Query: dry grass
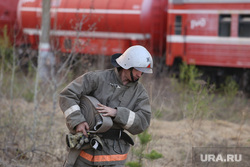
173	139
28	139
21	144
176	139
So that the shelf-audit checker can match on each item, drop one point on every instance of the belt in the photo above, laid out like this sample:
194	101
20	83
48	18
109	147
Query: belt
116	134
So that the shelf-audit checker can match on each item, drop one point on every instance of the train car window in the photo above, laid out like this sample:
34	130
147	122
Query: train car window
224	25
177	25
244	25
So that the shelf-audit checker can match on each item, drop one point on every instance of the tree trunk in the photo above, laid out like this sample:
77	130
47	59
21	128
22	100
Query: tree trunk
46	60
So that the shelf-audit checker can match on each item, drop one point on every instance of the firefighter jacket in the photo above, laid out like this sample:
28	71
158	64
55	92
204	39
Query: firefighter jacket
130	100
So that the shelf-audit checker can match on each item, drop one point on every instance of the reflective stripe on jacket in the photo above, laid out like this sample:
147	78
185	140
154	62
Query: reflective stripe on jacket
103	158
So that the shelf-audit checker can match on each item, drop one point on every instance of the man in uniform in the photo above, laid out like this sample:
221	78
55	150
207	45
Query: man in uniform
121	97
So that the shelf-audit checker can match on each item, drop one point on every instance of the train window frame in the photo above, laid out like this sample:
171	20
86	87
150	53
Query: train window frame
178	25
244	25
225	25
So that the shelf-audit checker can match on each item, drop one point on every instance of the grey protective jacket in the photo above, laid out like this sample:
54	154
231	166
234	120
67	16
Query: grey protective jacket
133	111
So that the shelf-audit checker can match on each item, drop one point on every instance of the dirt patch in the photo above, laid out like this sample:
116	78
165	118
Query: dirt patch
176	139
173	139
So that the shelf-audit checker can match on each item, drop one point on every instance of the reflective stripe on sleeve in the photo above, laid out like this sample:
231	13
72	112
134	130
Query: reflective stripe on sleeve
71	110
103	158
131	119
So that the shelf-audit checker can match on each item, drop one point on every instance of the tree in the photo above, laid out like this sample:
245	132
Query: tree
46	60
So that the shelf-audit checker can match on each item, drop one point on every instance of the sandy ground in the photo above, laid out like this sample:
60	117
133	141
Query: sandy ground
174	139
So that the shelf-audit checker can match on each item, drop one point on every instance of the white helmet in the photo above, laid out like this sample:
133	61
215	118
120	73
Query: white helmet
137	57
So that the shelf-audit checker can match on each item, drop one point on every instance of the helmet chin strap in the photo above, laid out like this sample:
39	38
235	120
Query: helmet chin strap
131	75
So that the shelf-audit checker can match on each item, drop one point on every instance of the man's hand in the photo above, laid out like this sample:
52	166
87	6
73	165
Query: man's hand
83	127
106	111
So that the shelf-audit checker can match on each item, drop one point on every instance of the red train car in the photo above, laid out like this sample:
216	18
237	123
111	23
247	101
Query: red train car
209	32
8	18
100	26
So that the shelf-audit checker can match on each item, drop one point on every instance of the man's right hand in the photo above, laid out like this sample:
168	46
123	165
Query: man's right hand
83	127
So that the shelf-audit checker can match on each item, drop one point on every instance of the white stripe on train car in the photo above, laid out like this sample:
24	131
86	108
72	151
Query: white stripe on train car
208	40
198	11
72	10
90	34
207	1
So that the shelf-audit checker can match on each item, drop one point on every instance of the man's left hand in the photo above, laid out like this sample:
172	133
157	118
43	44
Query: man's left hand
106	111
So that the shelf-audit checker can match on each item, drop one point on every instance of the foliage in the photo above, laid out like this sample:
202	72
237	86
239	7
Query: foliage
28	95
189	75
5	48
5	54
157	113
198	99
153	155
4	41
144	138
133	164
195	94
230	88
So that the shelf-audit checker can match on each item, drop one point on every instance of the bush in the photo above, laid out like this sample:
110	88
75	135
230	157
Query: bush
144	138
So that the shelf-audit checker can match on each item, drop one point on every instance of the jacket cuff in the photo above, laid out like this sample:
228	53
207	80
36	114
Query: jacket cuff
73	120
124	117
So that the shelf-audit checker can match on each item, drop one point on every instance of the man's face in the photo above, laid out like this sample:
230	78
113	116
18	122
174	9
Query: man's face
136	74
